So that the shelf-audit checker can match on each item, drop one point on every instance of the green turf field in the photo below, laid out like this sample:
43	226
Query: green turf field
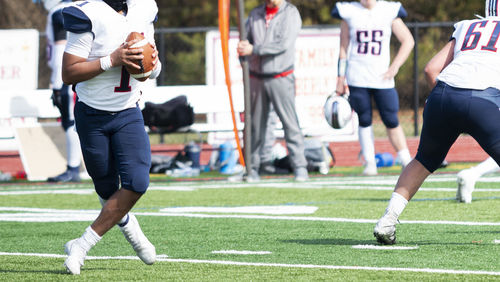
214	230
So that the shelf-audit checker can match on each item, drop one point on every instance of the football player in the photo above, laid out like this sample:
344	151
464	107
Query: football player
465	99
62	95
366	27
110	125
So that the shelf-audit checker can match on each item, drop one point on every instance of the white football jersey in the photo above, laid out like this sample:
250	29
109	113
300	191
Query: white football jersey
369	46
51	27
476	58
114	89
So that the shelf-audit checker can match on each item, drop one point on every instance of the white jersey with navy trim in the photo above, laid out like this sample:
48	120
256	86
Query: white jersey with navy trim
476	58
369	46
113	90
53	28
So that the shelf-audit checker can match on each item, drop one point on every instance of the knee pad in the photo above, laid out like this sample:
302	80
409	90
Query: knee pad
106	187
66	124
390	119
365	119
139	182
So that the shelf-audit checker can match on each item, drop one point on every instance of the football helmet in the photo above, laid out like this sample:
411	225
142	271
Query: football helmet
49	4
117	5
491	8
338	112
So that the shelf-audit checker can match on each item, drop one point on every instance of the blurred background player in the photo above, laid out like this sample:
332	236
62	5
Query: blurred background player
62	95
115	145
462	101
466	179
366	29
272	31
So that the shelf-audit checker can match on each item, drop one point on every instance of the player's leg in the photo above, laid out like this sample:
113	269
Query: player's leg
409	182
131	148
100	165
72	174
438	135
360	101
466	178
484	127
388	105
282	94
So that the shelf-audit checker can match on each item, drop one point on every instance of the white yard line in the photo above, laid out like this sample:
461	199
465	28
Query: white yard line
378	247
235	252
378	183
283	265
87	215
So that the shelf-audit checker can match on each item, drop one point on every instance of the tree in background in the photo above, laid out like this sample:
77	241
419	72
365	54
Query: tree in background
185	53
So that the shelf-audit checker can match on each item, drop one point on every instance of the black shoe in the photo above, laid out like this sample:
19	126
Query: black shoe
69	175
267	168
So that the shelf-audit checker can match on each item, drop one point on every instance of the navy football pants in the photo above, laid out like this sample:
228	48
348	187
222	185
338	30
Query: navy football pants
387	102
450	111
115	147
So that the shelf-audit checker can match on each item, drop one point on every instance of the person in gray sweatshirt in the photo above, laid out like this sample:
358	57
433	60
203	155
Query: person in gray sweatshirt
270	46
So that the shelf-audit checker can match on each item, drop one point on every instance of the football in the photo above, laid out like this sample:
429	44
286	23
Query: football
146	63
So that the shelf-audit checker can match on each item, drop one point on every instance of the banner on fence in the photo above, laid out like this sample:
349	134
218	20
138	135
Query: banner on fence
316	59
19	59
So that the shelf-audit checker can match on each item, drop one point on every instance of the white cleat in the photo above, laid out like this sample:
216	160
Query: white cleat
76	255
385	230
466	180
142	247
370	170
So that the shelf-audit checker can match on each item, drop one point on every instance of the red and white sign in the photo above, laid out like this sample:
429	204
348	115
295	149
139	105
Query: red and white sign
19	59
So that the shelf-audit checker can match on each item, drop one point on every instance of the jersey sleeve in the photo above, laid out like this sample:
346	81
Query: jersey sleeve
457	29
58	30
342	10
76	21
395	10
402	12
79	44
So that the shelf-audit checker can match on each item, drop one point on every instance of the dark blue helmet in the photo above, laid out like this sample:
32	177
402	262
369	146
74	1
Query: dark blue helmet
117	5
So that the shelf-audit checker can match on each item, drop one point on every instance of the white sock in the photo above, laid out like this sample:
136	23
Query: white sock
487	166
367	144
404	157
397	204
73	150
123	220
89	239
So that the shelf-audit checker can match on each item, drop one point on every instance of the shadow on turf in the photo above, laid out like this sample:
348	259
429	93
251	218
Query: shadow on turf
35	271
351	242
58	272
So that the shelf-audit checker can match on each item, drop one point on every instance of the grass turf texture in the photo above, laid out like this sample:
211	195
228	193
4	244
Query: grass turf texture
292	242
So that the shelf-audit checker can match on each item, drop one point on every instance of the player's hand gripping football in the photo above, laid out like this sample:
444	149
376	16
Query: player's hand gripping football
126	56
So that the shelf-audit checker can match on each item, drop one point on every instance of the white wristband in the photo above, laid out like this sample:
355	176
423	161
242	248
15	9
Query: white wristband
106	63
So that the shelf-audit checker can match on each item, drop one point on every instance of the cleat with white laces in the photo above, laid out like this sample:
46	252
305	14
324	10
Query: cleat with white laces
385	230
142	247
76	256
466	180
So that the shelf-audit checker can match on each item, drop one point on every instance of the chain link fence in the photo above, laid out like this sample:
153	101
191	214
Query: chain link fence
182	53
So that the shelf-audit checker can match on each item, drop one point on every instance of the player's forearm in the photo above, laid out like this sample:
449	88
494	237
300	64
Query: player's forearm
403	53
81	71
